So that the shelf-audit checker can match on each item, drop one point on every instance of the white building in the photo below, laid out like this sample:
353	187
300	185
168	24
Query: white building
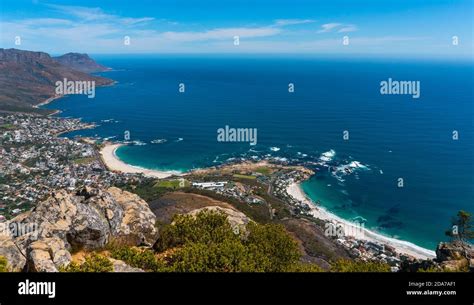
209	185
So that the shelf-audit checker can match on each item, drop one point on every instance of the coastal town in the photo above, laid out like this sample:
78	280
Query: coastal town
35	160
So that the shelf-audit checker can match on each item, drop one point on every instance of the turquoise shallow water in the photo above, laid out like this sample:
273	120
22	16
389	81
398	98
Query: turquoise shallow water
393	136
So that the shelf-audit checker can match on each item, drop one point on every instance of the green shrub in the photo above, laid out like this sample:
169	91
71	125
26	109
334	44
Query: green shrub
3	264
207	243
93	263
345	265
271	247
206	227
304	267
134	257
463	267
228	256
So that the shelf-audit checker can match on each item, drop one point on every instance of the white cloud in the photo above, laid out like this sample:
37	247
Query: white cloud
96	14
220	34
348	28
285	22
46	22
340	27
84	13
136	20
328	27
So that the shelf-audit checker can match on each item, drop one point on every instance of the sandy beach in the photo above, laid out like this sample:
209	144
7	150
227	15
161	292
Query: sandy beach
400	246
113	163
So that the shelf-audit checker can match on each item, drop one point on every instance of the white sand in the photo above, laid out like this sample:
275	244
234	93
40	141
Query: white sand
113	163
400	246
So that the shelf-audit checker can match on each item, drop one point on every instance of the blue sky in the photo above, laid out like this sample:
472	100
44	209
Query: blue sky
376	28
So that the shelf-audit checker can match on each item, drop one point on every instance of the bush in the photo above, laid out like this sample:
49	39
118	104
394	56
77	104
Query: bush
345	265
3	264
271	247
228	256
206	227
304	267
137	258
462	267
93	263
207	243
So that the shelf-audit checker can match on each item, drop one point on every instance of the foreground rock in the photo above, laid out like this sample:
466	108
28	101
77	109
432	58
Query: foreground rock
87	220
48	255
450	256
9	250
455	256
120	266
137	225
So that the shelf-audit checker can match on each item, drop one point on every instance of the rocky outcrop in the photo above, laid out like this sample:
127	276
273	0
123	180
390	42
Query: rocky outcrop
455	256
48	255
453	251
137	225
87	220
8	249
450	256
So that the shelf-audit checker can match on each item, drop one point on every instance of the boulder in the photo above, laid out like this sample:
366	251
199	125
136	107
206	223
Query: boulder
453	251
137	226
15	258
88	219
47	255
89	229
455	265
120	266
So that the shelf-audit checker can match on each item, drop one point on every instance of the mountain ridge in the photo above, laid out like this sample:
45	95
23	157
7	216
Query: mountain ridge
80	62
28	78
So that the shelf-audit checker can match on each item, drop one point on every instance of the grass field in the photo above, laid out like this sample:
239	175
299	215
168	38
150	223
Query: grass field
264	170
172	184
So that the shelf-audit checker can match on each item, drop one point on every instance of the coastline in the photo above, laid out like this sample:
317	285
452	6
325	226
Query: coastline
48	100
401	246
113	163
90	126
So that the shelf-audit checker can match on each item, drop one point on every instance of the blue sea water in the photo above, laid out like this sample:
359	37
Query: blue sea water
395	136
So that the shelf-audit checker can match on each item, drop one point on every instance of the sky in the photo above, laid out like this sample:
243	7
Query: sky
406	28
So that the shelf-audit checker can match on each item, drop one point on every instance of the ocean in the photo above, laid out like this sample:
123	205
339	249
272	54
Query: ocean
390	137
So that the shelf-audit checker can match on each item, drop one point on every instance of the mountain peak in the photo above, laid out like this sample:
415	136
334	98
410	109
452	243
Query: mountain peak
80	62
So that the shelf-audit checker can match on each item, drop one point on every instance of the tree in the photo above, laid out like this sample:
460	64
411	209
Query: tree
462	230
